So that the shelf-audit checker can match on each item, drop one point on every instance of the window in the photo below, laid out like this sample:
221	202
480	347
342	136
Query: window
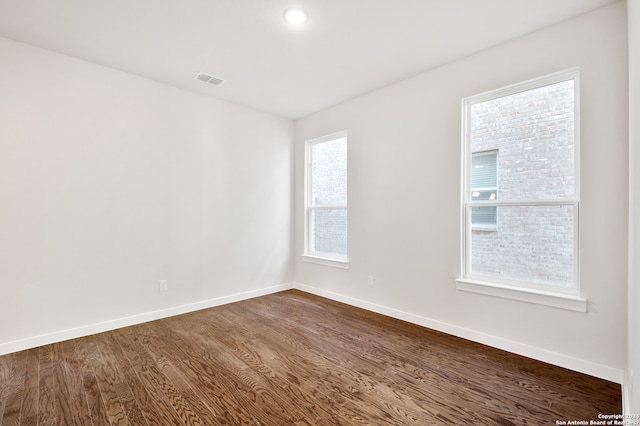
521	143
326	200
484	186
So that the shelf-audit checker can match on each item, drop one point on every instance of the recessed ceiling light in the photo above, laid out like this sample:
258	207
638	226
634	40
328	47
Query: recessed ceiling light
296	16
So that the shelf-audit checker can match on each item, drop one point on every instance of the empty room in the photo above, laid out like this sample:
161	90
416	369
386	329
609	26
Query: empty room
319	212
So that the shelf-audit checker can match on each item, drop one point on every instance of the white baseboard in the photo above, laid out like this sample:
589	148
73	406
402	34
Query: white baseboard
87	330
561	360
572	363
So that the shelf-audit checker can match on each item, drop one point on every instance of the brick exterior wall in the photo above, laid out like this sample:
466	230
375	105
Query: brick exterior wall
533	134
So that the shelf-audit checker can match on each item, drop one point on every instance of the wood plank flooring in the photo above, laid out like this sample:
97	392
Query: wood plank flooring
289	358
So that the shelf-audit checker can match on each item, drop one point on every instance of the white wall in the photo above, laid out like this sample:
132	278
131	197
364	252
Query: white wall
404	198
633	386
110	183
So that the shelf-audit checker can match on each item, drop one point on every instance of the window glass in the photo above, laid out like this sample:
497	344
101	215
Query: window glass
329	166
329	231
534	132
534	243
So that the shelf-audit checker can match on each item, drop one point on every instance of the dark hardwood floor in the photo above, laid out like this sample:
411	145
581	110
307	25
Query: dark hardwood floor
289	359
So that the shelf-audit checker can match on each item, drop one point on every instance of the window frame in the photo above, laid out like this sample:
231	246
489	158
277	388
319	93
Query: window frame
321	258
529	291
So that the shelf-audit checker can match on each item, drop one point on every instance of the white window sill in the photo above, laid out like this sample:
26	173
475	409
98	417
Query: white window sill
540	297
326	261
484	228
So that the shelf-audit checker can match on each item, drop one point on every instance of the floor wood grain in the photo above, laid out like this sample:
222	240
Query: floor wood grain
289	358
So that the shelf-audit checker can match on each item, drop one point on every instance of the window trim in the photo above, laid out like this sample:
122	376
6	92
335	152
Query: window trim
550	295
320	258
541	297
326	261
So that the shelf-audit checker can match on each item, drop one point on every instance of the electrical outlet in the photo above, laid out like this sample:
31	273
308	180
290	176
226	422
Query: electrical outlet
163	286
370	281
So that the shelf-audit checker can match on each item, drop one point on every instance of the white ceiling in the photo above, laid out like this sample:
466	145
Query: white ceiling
349	47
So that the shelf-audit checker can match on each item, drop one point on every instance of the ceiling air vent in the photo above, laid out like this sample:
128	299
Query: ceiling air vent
209	79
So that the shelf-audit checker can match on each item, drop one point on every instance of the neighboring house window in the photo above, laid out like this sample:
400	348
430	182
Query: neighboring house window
484	187
523	141
326	199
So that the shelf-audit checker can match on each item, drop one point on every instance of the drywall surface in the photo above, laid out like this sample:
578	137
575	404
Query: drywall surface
633	384
404	197
110	183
